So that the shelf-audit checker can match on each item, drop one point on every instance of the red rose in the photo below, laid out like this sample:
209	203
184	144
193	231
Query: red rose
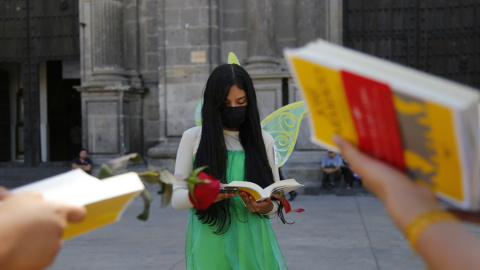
204	189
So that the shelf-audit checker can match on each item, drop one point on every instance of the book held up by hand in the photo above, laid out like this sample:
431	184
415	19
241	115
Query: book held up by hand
423	125
105	200
260	194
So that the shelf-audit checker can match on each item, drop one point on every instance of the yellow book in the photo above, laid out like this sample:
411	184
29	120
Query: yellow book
105	200
424	125
260	194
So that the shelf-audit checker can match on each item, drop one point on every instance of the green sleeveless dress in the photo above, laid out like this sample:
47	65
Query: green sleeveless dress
249	244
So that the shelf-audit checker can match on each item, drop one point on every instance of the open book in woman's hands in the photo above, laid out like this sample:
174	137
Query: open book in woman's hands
260	194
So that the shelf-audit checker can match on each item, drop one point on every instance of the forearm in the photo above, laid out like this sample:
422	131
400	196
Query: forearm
274	208
444	244
449	245
8	241
180	199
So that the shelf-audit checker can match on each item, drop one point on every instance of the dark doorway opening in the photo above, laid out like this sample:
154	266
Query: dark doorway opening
5	141
64	114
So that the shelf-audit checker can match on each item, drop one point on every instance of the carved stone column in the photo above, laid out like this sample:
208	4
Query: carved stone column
111	90
108	41
261	35
319	19
311	21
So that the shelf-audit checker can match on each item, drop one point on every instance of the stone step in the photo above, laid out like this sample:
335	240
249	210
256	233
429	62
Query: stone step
15	175
315	188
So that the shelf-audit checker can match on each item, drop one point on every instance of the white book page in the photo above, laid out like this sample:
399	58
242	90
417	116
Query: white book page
79	188
287	185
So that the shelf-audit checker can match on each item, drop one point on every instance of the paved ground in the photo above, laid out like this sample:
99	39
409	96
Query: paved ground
335	232
341	229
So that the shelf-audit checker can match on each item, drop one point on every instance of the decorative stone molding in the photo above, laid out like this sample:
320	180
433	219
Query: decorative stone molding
112	120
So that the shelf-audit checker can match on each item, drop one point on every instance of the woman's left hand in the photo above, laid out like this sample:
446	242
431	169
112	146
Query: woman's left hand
262	207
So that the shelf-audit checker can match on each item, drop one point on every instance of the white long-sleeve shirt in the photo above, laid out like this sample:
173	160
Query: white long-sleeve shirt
188	148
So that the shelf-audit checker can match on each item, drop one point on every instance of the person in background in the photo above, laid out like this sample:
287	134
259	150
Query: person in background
331	165
31	229
435	234
348	175
82	161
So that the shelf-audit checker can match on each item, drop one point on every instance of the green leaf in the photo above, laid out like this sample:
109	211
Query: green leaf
167	177
167	195
197	170
122	162
152	177
147	199
137	158
163	187
105	172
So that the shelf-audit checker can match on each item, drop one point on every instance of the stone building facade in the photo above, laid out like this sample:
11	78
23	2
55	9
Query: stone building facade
144	64
122	76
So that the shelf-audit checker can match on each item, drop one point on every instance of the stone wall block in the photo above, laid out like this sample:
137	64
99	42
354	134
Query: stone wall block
151	129
152	44
175	37
234	4
176	127
234	35
151	26
235	19
198	36
102	127
170	56
198	3
152	112
238	47
172	19
169	4
152	65
192	17
151	8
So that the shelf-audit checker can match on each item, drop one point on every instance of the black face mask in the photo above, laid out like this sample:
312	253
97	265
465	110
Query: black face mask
232	117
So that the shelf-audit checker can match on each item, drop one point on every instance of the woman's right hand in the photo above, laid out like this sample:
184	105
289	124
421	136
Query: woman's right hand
224	195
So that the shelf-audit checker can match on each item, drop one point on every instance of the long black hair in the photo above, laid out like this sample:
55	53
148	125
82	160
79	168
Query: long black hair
212	151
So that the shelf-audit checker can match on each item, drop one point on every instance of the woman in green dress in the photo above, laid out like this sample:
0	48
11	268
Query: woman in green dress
231	233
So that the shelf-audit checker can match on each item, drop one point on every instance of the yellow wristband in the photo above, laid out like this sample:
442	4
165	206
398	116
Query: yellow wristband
421	222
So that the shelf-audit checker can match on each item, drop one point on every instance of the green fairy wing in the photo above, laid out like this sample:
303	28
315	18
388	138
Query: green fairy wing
198	113
284	124
232	59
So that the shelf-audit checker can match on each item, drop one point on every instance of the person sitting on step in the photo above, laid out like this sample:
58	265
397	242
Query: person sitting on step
331	165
